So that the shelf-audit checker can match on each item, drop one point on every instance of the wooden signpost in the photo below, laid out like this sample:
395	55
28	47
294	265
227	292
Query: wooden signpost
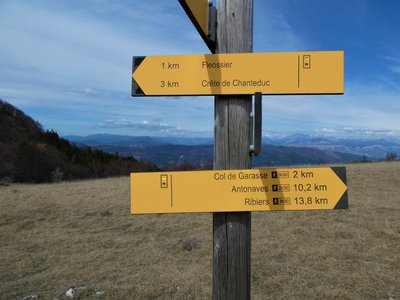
232	138
233	74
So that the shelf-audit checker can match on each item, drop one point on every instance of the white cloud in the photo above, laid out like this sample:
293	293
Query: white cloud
328	130
143	125
273	32
357	133
152	128
393	63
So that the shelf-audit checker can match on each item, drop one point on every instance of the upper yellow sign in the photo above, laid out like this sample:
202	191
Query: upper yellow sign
240	73
239	190
199	10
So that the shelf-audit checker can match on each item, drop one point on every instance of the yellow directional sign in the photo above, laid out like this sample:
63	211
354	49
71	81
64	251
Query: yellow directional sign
239	73
197	10
239	190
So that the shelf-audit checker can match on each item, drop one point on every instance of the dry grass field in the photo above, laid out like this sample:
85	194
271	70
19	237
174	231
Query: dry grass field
80	235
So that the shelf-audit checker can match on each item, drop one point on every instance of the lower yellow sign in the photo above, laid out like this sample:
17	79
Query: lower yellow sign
239	190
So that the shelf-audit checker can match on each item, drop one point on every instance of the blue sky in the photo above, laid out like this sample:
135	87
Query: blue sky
67	63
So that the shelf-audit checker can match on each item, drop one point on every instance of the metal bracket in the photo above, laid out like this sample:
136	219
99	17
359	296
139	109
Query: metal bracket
256	119
212	22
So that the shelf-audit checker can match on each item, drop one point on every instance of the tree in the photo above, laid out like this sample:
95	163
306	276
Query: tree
32	163
391	156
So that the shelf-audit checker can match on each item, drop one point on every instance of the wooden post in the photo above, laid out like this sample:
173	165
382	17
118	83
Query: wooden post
232	231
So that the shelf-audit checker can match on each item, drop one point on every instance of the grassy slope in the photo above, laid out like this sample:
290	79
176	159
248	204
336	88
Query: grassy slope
53	237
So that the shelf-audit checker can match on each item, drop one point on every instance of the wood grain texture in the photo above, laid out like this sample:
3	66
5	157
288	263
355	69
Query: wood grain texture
232	231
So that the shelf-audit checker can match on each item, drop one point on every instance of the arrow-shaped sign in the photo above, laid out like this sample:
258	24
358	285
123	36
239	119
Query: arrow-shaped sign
239	190
198	12
240	73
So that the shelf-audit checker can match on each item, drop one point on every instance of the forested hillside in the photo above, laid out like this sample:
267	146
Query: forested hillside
28	153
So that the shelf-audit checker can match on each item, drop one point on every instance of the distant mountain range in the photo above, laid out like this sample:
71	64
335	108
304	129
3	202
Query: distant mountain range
28	153
165	152
296	149
373	148
112	139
